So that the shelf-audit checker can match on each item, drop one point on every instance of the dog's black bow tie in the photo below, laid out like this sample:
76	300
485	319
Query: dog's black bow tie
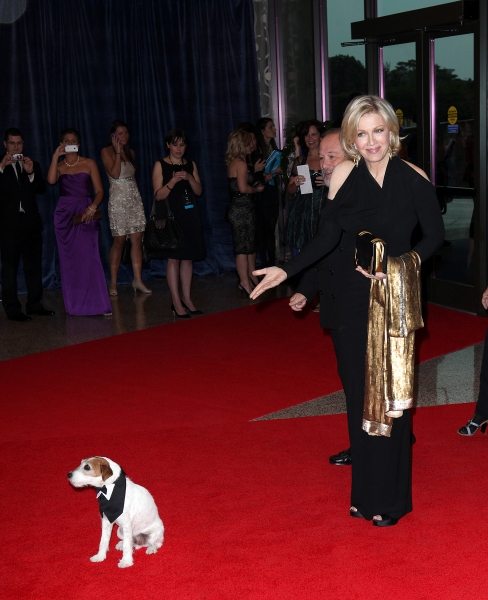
114	507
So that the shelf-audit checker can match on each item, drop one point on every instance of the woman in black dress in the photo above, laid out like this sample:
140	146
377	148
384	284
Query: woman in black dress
268	205
177	180
242	208
375	191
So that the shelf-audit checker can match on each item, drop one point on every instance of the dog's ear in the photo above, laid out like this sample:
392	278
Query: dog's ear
105	470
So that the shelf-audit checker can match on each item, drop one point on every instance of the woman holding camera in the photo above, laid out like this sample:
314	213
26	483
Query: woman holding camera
176	183
125	209
76	228
304	214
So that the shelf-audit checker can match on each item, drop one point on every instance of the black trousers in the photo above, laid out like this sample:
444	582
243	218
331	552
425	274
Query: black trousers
381	466
268	207
15	245
482	404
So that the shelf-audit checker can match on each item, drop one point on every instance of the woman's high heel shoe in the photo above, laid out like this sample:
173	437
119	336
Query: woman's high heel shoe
141	287
355	513
192	312
386	521
473	425
243	291
177	315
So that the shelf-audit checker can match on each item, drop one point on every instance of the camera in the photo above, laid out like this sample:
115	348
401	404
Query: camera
71	148
17	156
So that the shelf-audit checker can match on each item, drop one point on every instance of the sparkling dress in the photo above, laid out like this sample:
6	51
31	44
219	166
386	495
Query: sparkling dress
82	277
125	208
242	217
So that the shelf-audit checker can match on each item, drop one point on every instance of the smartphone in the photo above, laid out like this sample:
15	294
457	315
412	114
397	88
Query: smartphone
177	168
72	148
17	156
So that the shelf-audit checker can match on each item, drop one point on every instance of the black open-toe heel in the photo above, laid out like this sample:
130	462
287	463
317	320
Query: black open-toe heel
355	513
472	426
386	521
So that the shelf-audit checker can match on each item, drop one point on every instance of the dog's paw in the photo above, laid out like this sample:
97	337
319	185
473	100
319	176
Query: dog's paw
125	563
98	557
119	546
151	550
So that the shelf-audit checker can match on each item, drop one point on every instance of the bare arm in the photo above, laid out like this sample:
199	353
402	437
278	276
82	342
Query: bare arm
53	173
98	190
111	159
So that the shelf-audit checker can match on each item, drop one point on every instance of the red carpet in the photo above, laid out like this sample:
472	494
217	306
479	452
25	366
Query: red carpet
251	509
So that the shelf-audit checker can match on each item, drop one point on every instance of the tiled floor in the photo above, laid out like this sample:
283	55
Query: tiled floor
211	293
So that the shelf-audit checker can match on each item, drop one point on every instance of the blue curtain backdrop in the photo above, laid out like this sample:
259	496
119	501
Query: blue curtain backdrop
155	64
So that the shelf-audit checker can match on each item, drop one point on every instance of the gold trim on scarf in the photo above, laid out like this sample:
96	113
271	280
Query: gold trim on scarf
394	315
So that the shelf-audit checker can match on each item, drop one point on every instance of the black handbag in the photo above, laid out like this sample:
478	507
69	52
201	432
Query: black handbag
163	234
370	253
126	250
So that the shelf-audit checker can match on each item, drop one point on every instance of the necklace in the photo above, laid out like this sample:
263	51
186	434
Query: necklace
74	164
173	162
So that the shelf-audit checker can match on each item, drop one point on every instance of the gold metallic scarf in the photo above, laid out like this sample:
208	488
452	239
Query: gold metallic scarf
394	315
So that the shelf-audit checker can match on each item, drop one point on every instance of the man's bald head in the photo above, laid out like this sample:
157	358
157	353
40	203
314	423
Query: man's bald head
330	153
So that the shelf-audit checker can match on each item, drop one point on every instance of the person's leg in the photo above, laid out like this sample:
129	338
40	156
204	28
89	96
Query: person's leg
11	252
243	271
186	274
173	277
251	266
32	264
115	256
136	259
482	404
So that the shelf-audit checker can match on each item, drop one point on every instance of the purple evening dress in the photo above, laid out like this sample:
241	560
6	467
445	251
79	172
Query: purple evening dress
82	277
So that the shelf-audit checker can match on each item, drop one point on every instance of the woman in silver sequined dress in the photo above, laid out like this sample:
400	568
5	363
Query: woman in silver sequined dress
125	208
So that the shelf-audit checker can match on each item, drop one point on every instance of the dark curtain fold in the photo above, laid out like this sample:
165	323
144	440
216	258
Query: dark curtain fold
155	64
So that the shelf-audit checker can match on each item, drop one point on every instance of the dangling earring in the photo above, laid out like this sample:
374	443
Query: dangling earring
390	152
356	159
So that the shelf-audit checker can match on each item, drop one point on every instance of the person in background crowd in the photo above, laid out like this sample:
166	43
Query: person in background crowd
125	208
268	205
242	209
177	180
82	277
304	213
20	228
480	418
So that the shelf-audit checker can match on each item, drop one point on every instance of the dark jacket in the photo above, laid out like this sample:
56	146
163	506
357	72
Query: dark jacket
16	192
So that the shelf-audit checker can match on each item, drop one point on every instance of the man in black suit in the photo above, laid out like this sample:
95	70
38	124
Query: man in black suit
20	228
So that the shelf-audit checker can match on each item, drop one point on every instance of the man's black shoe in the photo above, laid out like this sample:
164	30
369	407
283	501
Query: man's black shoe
342	459
42	312
20	317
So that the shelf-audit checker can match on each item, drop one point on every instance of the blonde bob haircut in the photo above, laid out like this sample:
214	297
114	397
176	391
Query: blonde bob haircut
237	145
357	108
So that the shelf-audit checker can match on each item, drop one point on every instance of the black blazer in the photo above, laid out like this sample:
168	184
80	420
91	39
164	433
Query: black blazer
15	192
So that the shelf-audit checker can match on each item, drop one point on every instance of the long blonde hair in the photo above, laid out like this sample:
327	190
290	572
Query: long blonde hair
237	145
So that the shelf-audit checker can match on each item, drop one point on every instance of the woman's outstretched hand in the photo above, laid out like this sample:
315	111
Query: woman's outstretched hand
273	277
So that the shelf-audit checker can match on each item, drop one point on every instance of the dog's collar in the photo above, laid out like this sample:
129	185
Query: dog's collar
111	498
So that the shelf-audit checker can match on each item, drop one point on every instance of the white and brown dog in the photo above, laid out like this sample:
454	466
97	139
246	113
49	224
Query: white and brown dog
123	502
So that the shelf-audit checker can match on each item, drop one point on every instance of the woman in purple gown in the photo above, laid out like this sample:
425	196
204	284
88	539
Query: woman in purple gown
82	277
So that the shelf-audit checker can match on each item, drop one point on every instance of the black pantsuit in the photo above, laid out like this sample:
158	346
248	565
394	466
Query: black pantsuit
482	404
20	237
381	466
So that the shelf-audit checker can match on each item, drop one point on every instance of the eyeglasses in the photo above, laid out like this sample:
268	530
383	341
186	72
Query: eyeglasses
10	143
